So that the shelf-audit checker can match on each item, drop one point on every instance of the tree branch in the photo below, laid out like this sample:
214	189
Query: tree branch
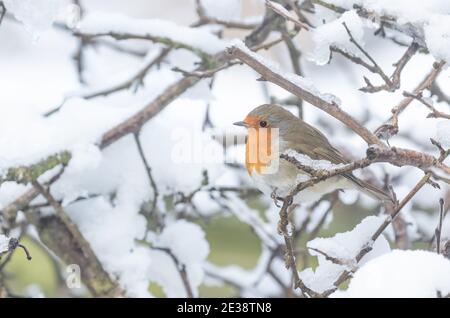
61	235
317	101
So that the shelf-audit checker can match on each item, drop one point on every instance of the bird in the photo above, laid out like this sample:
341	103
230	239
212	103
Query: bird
273	130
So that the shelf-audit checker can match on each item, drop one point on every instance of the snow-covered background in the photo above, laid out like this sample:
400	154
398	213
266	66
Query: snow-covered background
208	225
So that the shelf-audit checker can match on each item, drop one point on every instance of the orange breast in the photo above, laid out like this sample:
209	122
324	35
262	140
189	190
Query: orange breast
258	149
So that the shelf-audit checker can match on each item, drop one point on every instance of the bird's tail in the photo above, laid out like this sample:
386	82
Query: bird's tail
371	190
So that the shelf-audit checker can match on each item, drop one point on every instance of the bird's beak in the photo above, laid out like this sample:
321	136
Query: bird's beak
241	123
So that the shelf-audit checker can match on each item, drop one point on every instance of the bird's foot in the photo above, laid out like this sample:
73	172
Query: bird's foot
274	196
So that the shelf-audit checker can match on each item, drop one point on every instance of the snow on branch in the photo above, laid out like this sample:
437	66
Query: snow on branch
120	27
428	27
301	88
304	90
131	227
416	274
27	174
338	253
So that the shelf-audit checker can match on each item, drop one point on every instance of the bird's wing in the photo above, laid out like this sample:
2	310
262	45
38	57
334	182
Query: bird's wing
309	141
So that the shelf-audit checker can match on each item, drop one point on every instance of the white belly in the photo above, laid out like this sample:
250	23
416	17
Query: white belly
287	178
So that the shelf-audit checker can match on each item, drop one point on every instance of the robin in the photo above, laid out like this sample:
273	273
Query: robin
271	131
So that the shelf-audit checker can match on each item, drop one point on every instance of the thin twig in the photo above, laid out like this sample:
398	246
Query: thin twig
438	230
205	19
391	83
181	270
3	11
152	181
317	101
368	247
289	253
285	14
390	128
434	112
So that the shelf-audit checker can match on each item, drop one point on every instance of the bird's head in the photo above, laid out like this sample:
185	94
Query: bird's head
266	116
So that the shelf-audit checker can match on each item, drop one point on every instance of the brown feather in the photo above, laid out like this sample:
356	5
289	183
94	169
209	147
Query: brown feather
309	141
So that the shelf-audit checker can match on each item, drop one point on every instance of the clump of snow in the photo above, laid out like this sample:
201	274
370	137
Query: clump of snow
84	157
36	15
437	37
72	16
443	133
315	164
402	274
226	10
300	81
347	245
430	16
283	10
198	38
185	240
334	34
112	231
344	247
79	122
348	196
4	243
404	10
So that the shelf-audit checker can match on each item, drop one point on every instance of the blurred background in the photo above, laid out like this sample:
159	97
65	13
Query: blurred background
40	70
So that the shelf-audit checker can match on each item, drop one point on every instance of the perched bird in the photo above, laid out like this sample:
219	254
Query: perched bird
272	130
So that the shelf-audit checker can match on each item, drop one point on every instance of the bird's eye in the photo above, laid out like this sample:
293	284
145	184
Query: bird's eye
263	123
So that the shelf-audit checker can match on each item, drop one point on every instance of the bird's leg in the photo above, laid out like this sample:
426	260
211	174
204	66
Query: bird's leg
274	196
290	211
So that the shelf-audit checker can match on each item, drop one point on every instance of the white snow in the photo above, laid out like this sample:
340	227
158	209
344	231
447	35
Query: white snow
39	137
402	274
185	240
36	15
431	16
188	244
347	245
202	39
4	243
315	164
283	10
334	34
37	76
344	247
112	232
300	81
229	10
72	16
